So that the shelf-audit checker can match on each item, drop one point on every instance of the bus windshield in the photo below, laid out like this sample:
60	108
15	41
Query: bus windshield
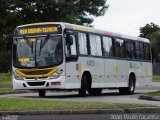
38	51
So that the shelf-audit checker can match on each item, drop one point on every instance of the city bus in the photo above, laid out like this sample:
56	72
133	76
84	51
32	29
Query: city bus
64	56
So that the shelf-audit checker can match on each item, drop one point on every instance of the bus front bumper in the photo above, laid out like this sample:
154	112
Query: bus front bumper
32	84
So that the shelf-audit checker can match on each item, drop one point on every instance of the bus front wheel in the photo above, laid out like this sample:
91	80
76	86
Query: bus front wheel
42	93
130	89
82	91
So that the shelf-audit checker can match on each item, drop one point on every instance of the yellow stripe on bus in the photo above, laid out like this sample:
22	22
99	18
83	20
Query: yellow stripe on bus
146	71
81	28
116	68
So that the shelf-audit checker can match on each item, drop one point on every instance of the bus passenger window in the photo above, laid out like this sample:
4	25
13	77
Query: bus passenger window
128	49
73	46
147	52
99	47
119	48
82	43
133	53
95	45
142	51
138	51
107	46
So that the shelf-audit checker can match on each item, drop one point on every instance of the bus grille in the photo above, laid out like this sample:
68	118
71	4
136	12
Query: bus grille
36	72
36	83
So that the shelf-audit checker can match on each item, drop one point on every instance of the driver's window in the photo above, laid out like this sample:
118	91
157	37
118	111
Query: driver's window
73	46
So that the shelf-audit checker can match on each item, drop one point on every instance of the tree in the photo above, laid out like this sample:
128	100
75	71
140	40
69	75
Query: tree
18	12
152	32
155	42
74	11
148	29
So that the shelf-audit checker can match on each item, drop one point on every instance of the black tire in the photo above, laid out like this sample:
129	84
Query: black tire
95	91
42	93
130	89
82	91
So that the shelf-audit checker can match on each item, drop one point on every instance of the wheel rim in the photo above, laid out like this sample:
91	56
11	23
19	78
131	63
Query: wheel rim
131	86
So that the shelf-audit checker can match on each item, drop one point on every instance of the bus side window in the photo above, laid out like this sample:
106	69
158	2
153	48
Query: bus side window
128	49
107	46
147	52
119	48
133	53
99	46
142	51
73	46
82	38
95	45
138	51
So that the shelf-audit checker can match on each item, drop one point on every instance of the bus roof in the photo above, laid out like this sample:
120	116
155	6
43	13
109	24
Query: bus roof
90	29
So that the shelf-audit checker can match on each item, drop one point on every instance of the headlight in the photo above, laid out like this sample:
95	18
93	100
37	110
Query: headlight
56	74
17	76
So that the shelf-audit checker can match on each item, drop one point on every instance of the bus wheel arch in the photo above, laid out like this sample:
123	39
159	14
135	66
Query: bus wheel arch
131	85
86	83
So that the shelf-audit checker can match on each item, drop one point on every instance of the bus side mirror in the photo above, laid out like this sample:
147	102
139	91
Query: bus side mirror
70	40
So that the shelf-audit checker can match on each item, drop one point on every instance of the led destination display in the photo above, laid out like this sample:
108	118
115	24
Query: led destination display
39	30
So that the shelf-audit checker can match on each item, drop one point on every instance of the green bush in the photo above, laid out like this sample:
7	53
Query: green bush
5	61
5	77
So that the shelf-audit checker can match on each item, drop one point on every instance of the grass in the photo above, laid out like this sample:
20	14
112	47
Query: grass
7	104
5	77
5	80
156	78
156	93
6	90
10	90
6	85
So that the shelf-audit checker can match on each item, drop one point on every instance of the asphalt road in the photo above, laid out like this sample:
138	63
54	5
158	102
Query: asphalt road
86	117
107	96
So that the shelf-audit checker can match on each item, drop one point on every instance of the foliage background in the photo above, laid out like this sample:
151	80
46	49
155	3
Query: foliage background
152	32
18	12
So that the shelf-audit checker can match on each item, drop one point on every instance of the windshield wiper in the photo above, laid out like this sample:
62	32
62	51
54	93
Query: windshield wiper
42	44
28	43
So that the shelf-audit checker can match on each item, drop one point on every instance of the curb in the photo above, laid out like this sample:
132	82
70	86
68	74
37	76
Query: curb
84	111
147	97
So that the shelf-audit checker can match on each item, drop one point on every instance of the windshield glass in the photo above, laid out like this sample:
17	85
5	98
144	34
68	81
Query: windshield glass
38	52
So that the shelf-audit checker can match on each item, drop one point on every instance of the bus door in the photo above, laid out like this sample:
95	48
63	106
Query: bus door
139	63
120	66
135	65
143	65
72	74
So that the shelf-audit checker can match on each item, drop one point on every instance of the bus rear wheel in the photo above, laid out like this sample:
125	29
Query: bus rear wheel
42	93
130	89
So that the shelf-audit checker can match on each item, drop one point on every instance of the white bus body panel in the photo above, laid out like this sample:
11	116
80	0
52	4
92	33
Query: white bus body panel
105	72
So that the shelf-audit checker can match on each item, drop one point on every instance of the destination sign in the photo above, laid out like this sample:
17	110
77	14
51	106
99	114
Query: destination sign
39	30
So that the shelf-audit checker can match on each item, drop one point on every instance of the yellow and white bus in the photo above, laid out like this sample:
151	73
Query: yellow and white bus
63	56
